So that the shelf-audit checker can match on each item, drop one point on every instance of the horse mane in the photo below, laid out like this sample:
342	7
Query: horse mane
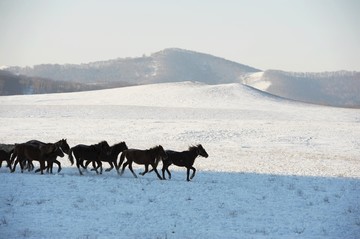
155	147
193	147
117	144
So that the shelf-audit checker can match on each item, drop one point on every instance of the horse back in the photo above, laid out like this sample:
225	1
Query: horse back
138	156
86	151
183	158
26	150
35	142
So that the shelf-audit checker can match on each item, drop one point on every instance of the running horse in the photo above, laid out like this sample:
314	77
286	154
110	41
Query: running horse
92	153
145	157
30	152
183	159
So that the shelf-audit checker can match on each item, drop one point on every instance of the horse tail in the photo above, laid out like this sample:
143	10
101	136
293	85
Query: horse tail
71	158
122	158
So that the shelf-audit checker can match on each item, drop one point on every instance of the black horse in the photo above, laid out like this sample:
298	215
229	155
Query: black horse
92	153
62	144
111	156
183	159
5	153
145	157
5	156
30	152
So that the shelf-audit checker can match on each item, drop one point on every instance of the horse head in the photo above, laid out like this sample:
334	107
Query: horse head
201	151
51	149
123	146
119	147
102	147
64	146
160	152
59	152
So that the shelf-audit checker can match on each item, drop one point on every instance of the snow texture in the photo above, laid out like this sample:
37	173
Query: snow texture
276	168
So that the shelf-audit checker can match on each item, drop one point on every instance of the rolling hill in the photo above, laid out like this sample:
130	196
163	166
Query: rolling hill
276	168
338	88
169	65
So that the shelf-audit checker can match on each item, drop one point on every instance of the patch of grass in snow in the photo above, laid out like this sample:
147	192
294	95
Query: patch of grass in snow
3	221
25	233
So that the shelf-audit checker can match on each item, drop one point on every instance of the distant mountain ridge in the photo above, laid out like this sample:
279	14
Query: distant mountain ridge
169	65
340	88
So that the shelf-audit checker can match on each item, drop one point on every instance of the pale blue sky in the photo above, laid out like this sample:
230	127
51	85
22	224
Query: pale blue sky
293	35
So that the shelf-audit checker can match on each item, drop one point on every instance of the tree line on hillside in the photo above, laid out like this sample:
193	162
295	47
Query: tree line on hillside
340	88
169	65
11	84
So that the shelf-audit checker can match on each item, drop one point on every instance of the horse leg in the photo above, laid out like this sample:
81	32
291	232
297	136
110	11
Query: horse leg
94	166
193	174
131	169
14	167
42	166
81	162
146	170
111	167
87	164
50	164
100	164
78	166
31	165
58	164
157	173
187	174
167	170
123	168
163	172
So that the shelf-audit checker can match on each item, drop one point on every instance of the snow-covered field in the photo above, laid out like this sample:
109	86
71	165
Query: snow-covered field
276	168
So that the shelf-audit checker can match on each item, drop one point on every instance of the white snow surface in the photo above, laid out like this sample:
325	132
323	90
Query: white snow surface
256	81
276	168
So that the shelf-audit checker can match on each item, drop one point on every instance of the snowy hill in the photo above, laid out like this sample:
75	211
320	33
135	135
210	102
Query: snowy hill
276	168
340	88
169	65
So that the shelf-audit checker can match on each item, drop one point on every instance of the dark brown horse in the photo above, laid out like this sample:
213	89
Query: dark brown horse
145	157
111	156
32	152
183	159
92	153
62	144
5	156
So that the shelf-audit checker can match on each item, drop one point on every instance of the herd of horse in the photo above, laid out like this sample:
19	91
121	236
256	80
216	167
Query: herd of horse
46	154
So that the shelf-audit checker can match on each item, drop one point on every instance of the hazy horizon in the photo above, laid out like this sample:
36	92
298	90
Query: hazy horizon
308	36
